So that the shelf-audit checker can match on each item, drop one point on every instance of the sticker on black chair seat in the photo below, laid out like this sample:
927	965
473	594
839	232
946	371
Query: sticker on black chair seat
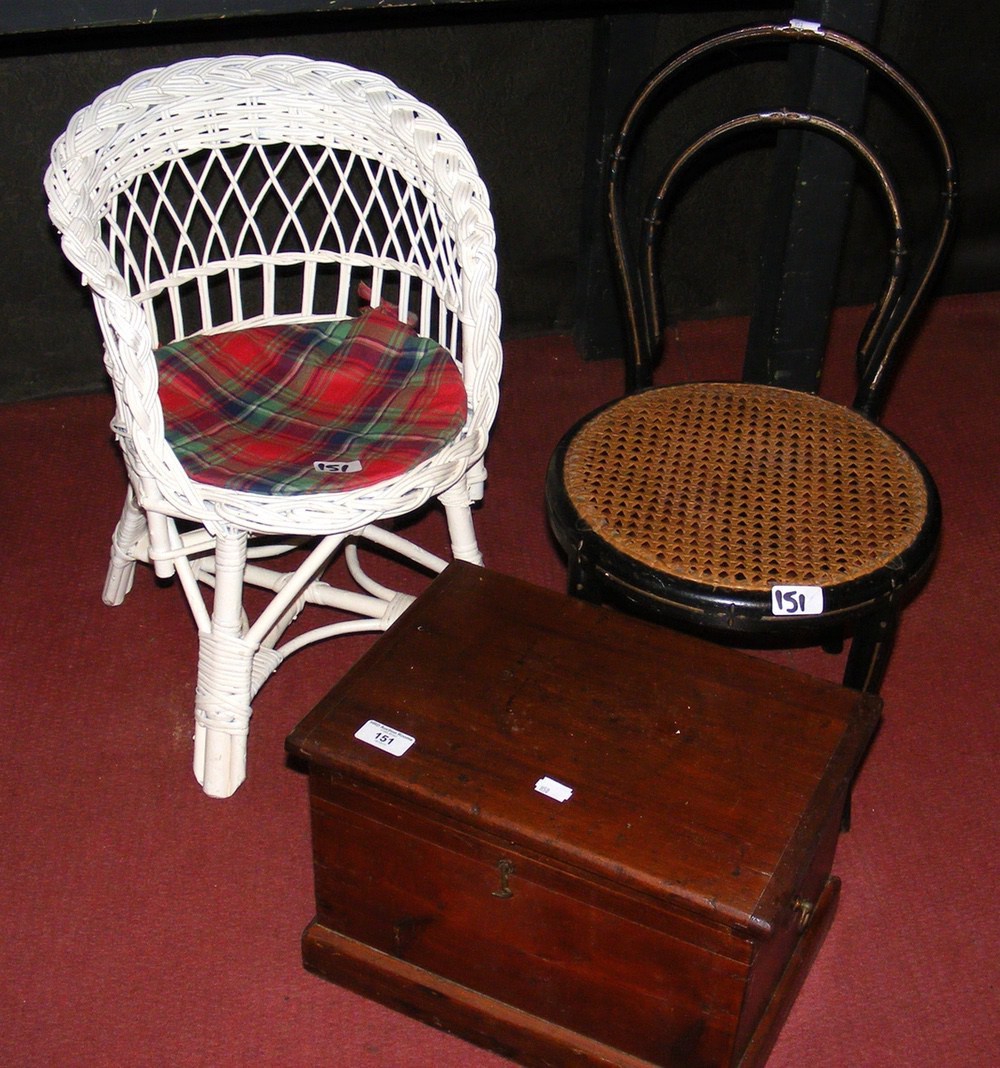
797	600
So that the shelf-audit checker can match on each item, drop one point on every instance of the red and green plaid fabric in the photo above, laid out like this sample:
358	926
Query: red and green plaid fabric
305	408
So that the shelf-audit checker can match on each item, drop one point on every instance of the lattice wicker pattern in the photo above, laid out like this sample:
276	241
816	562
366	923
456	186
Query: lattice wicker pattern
745	486
219	193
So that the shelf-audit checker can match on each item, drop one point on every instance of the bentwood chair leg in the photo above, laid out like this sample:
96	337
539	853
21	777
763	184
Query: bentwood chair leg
580	577
869	653
866	664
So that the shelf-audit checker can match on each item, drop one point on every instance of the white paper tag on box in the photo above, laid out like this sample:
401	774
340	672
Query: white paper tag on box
385	738
557	790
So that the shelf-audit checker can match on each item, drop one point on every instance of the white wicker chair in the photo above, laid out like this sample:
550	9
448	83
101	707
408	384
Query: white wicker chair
221	194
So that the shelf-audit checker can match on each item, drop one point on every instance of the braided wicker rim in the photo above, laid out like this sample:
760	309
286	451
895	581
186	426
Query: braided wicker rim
745	486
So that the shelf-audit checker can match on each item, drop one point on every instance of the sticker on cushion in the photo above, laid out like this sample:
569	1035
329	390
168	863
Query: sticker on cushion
305	408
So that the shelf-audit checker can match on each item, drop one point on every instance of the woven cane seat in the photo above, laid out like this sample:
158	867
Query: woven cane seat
745	486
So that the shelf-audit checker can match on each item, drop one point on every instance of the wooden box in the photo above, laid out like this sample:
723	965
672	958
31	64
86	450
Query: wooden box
571	836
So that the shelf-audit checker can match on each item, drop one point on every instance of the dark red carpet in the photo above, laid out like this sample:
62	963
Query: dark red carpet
145	924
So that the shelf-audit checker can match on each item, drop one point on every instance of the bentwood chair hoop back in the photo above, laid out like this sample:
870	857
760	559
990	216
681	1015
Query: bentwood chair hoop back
744	509
293	267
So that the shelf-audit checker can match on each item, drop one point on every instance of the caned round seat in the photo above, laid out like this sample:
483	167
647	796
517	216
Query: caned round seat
664	494
813	494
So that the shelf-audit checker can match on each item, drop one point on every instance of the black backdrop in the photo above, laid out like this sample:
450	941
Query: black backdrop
518	90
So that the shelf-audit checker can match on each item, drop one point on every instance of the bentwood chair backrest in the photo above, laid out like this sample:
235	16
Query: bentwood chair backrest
742	508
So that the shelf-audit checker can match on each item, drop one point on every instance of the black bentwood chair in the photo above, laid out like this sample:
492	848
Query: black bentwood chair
766	514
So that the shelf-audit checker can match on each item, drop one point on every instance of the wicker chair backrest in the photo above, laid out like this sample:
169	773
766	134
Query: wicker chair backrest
220	193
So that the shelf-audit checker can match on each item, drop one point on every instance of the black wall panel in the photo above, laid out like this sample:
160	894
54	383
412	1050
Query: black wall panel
516	87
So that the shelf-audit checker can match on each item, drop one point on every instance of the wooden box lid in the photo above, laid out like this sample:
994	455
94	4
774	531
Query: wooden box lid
699	775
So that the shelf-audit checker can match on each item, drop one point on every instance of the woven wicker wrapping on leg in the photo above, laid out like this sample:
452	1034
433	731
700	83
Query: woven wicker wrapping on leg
742	486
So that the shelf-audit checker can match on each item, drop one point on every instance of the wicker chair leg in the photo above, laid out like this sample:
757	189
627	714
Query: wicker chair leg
225	677
464	545
121	570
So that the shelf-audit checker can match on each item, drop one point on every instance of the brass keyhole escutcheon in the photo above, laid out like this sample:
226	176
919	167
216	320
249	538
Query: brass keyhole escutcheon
805	910
506	869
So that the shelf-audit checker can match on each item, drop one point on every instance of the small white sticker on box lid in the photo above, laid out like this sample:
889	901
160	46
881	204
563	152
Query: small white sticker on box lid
557	790
385	738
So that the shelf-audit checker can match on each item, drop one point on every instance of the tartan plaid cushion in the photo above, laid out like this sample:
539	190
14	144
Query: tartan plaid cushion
305	408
